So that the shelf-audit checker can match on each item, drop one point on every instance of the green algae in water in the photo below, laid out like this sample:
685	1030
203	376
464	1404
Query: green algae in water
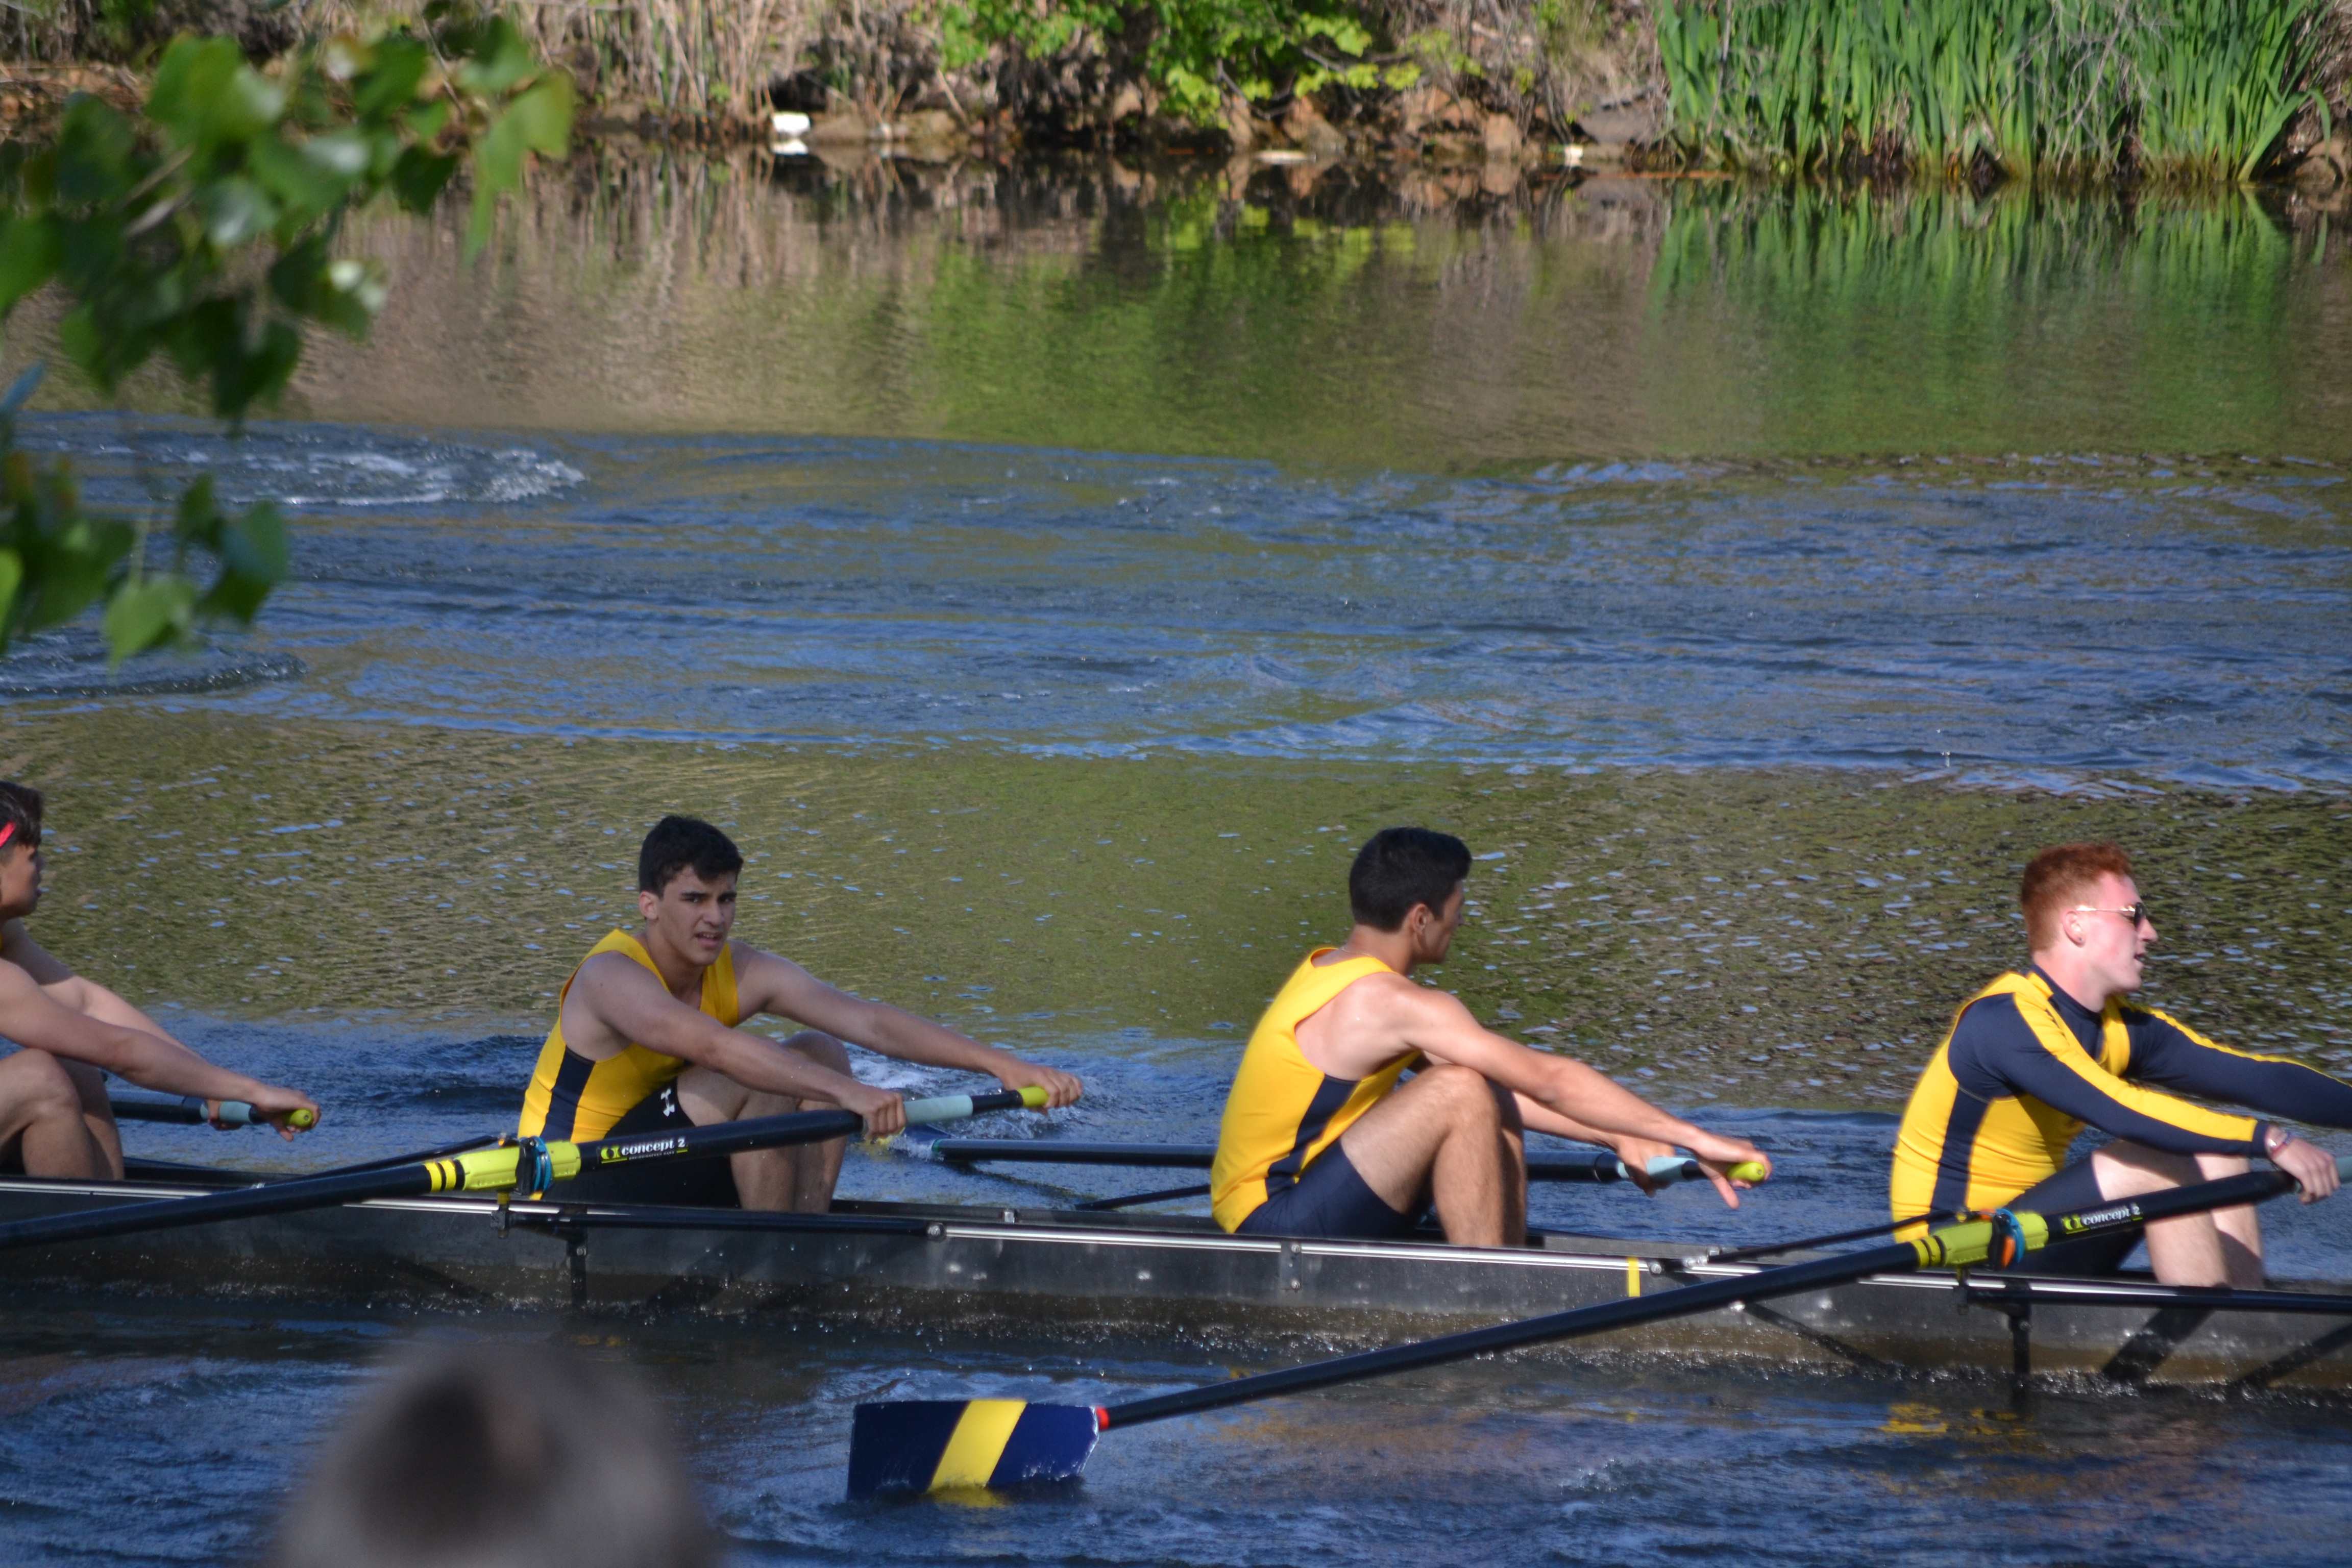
1764	938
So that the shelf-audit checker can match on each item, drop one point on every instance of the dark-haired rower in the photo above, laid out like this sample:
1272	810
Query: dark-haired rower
54	1119
646	1038
1322	1138
2035	1057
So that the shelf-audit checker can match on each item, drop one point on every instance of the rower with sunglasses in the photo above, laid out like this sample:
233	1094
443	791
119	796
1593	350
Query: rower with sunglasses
2034	1058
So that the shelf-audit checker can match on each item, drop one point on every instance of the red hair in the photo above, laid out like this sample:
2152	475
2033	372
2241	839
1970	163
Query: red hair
2061	878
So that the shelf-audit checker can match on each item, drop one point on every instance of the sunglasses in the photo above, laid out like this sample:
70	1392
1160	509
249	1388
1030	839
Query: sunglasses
2136	913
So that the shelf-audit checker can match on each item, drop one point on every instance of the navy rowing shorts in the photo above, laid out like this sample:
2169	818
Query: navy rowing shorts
1330	1203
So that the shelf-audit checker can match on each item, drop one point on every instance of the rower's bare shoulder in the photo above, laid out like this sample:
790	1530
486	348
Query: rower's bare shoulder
1389	995
762	977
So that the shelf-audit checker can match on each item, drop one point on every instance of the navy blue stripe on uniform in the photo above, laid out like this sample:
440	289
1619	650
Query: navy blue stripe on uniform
1329	1096
564	1099
1958	1154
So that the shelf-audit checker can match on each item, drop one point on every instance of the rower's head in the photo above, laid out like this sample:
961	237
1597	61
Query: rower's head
523	1455
685	886
20	850
1409	881
2084	916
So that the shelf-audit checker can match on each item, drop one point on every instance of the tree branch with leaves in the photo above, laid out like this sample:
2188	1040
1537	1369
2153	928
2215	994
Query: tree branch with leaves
206	230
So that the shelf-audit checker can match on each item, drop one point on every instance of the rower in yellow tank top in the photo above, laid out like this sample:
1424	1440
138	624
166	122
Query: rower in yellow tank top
1323	1137
574	1097
649	1040
1284	1110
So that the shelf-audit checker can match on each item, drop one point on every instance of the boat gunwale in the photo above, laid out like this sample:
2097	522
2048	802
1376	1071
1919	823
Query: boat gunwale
956	1222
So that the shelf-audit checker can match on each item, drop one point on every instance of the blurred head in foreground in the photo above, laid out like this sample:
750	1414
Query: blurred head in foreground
500	1456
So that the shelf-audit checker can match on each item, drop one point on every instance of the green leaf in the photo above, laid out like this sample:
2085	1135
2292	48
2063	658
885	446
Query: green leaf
343	154
12	577
390	86
235	211
206	97
254	545
420	176
543	115
300	182
425	121
28	254
95	152
500	59
149	611
539	120
197	520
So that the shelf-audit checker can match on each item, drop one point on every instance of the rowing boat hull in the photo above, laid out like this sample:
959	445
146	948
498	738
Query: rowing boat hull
984	1268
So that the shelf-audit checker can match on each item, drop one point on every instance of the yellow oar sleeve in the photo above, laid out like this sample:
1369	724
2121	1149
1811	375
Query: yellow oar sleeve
1960	1246
495	1170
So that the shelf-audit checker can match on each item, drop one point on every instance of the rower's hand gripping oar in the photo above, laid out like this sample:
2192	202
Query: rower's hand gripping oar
935	1445
531	1164
189	1111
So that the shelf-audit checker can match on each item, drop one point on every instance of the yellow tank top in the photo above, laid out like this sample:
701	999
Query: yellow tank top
1284	1110
572	1097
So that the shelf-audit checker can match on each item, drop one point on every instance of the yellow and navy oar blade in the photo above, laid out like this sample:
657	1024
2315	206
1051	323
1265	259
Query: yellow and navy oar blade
945	1445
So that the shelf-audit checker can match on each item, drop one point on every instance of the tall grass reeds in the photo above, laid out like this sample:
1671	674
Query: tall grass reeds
2186	89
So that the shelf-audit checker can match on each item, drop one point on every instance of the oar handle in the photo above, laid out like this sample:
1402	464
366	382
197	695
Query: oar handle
189	1111
1667	1169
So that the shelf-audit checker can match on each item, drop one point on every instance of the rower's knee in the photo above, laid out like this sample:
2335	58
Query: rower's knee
2125	1169
821	1049
39	1086
1467	1096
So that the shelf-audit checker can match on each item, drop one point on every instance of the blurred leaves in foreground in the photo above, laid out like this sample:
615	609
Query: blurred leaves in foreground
205	229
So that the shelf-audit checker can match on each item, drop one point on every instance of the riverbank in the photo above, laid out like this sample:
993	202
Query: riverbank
2128	90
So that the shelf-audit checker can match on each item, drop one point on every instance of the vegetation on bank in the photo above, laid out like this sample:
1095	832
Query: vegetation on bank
2198	88
2179	86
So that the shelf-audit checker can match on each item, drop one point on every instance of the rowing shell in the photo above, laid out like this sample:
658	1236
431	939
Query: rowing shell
986	1269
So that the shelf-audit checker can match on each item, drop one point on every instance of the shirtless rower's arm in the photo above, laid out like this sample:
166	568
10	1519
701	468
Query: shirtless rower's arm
783	989
1384	1015
53	1108
615	1001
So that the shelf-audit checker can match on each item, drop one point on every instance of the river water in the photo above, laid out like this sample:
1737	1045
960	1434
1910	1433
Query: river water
1049	576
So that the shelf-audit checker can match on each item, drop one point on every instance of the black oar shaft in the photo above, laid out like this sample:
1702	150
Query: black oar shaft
1893	1259
1198	1157
1836	1237
1133	1200
489	1170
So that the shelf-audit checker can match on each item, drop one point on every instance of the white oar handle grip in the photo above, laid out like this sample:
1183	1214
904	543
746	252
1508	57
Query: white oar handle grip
1668	1169
1665	1169
956	1107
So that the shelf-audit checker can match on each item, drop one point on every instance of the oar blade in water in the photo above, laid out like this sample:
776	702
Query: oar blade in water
950	1444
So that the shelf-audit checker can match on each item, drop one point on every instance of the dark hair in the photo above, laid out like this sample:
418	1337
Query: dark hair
1402	866
683	843
2057	876
500	1456
20	805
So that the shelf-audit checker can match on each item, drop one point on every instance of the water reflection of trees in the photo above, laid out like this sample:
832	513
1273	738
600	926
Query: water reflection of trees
1411	314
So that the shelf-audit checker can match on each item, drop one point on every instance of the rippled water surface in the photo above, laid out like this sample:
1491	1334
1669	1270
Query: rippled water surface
1049	576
